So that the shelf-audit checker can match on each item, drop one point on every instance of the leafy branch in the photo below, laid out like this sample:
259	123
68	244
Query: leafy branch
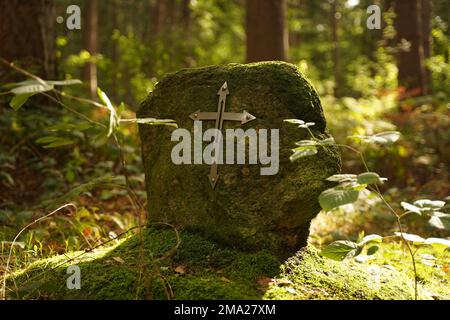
24	90
348	190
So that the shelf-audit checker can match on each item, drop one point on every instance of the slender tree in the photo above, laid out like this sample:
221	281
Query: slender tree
409	24
186	25
335	17
158	17
426	35
267	36
27	36
91	39
115	50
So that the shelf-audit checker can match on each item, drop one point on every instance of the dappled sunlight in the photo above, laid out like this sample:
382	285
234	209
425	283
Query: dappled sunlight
191	150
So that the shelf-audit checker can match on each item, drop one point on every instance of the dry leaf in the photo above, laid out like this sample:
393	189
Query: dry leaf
118	259
180	269
87	231
265	282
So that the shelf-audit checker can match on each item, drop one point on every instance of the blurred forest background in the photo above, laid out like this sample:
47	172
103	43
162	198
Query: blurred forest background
370	80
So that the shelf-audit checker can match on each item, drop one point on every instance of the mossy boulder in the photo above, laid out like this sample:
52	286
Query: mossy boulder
246	210
151	266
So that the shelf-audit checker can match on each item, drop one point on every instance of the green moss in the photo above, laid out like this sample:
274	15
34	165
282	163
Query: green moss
309	276
433	275
200	269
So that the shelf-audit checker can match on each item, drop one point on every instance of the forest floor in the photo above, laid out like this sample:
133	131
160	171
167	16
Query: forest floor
143	265
157	266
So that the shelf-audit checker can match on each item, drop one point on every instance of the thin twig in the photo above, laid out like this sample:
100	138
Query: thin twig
28	74
79	114
406	243
397	216
88	101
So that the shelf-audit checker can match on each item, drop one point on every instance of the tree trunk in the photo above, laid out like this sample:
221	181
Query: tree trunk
158	16
91	39
186	31
335	16
426	34
411	58
267	36
186	16
27	36
115	51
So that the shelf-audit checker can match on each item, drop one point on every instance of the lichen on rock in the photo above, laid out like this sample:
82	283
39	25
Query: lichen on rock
246	210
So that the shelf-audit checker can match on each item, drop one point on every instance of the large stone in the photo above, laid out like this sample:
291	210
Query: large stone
246	210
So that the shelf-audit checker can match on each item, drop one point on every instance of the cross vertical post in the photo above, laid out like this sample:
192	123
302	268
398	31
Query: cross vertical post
219	117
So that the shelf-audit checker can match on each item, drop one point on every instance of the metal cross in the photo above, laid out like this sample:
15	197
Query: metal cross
220	116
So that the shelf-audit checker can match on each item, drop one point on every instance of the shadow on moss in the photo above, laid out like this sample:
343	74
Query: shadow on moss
200	269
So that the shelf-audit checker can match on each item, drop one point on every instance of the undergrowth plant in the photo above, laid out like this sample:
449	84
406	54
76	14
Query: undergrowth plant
108	128
348	188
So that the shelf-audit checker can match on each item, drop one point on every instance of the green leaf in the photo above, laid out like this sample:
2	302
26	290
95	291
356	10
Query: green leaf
60	143
20	84
351	186
120	109
372	250
440	220
54	142
48	83
415	239
428	256
36	88
333	198
326	142
342	178
295	121
69	82
301	152
426	204
438	243
18	100
410	207
428	263
44	140
369	178
373	238
113	118
339	250
305	143
387	137
151	121
380	138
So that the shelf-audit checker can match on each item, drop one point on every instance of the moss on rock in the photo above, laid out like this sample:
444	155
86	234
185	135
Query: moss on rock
246	210
201	269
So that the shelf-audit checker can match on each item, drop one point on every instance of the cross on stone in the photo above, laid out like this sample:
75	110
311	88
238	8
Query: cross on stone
220	116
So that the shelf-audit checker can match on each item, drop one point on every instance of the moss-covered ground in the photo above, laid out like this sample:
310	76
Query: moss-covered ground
150	265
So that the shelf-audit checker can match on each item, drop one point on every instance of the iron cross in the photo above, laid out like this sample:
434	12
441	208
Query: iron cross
220	116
